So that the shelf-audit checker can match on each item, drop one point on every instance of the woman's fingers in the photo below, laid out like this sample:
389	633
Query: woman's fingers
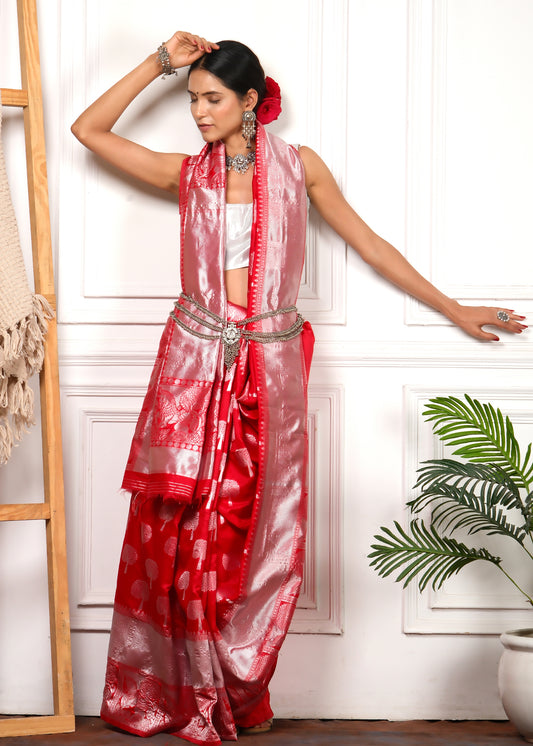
199	42
205	45
487	336
474	318
193	42
184	48
507	319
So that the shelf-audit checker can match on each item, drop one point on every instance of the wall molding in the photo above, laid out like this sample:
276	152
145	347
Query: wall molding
85	407
515	354
319	609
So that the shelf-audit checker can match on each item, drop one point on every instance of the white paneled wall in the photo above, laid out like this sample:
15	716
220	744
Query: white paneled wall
427	131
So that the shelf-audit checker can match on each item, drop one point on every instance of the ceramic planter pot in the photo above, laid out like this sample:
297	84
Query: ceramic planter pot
515	679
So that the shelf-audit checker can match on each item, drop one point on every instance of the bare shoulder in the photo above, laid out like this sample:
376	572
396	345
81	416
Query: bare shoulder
316	171
310	158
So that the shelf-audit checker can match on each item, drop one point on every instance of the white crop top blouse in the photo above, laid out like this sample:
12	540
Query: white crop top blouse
238	234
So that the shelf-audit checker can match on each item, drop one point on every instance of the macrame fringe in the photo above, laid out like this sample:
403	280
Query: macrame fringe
21	355
26	338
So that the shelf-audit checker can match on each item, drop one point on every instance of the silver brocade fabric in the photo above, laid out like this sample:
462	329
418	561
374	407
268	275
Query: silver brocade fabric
173	451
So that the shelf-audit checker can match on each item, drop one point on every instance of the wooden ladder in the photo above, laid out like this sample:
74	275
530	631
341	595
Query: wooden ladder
52	510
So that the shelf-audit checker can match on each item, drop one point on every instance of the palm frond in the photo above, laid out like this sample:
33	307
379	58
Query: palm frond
481	434
445	470
425	553
456	508
468	496
529	512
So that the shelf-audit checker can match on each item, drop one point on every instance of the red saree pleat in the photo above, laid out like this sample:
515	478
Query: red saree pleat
179	579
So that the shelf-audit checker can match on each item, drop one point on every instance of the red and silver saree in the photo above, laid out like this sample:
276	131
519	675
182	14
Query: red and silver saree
212	560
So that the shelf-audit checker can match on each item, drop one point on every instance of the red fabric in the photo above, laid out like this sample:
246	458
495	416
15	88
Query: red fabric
181	573
213	558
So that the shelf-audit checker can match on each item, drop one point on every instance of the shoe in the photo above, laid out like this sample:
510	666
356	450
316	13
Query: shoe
255	729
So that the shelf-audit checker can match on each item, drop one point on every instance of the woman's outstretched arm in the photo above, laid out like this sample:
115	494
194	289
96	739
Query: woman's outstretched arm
94	127
327	198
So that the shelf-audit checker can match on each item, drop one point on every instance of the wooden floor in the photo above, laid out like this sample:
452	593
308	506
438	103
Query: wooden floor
93	732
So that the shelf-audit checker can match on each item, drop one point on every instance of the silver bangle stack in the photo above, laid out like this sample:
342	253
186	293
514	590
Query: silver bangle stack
164	59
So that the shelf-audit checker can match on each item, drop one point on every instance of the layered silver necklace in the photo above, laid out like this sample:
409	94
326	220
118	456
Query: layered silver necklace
240	163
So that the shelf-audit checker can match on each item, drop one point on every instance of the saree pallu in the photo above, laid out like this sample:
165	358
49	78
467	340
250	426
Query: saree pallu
213	556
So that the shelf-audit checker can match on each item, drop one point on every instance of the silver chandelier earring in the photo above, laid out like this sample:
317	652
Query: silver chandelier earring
248	127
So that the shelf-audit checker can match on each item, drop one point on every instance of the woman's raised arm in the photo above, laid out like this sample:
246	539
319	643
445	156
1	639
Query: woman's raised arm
93	127
327	198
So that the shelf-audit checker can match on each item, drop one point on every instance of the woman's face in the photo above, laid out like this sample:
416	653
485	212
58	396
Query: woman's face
217	110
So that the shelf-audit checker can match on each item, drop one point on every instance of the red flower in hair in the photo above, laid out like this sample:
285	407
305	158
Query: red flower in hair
270	107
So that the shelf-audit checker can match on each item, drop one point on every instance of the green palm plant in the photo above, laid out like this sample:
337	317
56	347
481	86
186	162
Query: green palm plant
489	491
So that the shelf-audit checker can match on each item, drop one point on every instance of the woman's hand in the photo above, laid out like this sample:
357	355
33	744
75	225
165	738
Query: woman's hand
184	48
471	319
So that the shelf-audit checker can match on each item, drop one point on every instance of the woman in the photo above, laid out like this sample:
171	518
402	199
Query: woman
212	559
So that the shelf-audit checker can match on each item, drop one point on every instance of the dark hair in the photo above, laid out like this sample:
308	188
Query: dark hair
236	66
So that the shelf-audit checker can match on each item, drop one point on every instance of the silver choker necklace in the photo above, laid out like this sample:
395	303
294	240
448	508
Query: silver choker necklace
239	163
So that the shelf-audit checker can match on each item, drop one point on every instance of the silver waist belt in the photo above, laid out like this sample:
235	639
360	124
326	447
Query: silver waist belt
231	332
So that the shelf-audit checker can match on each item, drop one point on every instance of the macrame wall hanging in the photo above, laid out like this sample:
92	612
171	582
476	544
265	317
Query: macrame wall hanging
23	324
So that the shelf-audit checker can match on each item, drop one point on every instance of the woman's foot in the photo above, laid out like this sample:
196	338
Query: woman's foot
255	729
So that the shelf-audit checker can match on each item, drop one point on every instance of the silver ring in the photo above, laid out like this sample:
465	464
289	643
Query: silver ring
503	316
